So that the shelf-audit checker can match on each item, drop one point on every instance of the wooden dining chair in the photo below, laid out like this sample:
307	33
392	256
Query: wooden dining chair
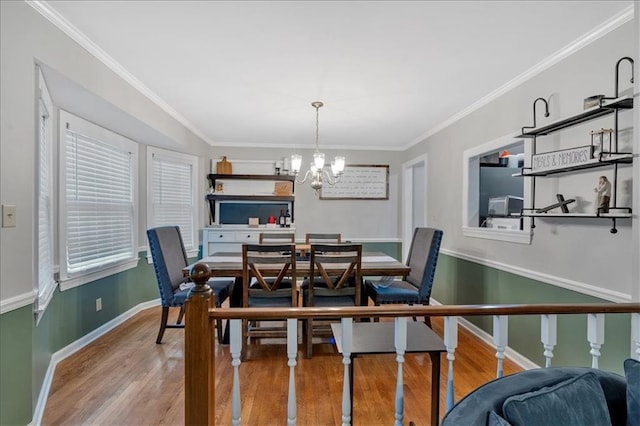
277	237
335	279
311	237
268	280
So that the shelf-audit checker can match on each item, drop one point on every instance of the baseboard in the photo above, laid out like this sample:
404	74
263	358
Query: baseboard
510	353
72	348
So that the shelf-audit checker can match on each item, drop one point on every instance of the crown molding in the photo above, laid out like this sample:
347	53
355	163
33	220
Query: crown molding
606	27
79	37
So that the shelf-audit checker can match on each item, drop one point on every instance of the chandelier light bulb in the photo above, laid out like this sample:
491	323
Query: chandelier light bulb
296	163
339	164
318	160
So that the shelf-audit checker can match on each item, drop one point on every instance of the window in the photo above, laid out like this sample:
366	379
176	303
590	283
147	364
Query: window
46	283
492	196
171	199
98	202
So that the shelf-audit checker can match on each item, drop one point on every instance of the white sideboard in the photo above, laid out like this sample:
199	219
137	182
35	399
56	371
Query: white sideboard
230	239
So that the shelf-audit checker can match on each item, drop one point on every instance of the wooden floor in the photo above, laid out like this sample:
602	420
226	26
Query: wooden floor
124	378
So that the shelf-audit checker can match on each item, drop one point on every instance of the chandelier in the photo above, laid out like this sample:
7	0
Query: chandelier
316	173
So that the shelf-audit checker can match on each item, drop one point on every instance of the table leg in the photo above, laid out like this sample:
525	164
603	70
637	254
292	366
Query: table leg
435	387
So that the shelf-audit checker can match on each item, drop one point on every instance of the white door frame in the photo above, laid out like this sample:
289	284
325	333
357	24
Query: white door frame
407	200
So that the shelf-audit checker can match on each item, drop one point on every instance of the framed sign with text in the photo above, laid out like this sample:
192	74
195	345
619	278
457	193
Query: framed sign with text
359	182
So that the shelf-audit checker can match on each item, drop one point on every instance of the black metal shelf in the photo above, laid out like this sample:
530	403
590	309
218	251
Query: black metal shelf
281	178
618	215
617	158
224	197
589	114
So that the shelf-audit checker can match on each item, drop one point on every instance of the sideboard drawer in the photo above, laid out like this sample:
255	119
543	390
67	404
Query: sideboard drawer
221	237
247	237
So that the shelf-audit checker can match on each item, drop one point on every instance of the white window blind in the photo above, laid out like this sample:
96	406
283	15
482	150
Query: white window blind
46	282
99	187
172	197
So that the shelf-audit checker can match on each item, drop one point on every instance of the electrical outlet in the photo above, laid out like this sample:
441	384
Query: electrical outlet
8	216
98	304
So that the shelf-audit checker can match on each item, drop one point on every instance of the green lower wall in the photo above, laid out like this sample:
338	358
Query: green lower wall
392	249
15	366
461	282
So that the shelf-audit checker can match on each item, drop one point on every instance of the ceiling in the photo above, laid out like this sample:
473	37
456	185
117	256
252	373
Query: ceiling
244	74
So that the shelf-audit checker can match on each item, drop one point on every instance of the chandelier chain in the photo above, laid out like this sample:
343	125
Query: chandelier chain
317	106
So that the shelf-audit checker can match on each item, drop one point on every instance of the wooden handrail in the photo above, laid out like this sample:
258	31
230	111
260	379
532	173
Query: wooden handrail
420	310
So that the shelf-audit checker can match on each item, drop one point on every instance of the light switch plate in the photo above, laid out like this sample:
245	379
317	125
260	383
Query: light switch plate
8	216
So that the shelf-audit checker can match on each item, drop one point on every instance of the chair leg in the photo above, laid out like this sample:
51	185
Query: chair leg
163	323
376	319
180	315
219	330
427	319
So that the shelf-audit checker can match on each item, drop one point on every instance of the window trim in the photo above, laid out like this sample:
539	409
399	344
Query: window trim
44	294
183	158
110	137
470	192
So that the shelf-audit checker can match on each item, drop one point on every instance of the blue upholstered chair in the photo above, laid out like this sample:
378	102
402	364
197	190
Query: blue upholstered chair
335	279
169	260
414	288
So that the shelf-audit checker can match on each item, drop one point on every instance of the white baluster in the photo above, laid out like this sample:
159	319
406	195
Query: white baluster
451	343
549	336
292	352
235	347
635	336
595	335
347	341
500	338
400	338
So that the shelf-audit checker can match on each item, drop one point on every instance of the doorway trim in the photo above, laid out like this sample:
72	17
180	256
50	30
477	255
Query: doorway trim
408	194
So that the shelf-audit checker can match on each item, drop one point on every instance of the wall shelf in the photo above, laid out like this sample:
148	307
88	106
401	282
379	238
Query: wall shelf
608	107
213	198
611	158
282	178
610	215
228	197
618	158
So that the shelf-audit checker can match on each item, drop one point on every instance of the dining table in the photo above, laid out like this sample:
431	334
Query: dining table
229	264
